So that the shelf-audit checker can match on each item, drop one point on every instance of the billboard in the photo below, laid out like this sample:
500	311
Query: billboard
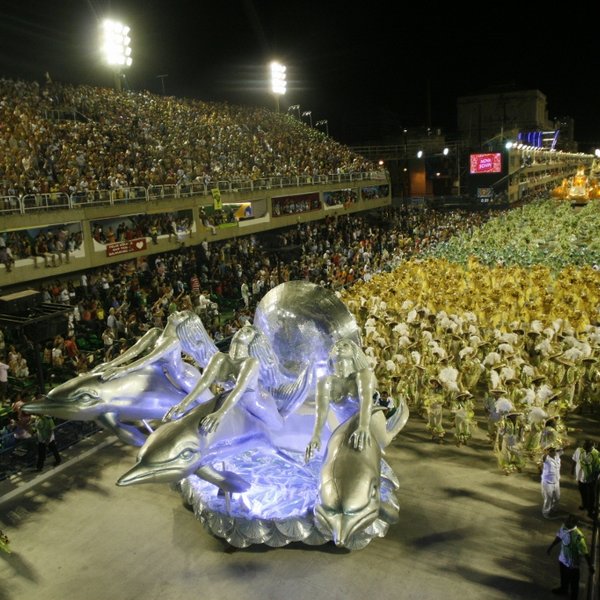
485	163
126	246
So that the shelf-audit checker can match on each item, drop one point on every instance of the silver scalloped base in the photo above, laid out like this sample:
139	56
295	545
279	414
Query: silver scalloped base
278	508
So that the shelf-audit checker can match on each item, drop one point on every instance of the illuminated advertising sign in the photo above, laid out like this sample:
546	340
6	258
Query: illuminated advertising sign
486	163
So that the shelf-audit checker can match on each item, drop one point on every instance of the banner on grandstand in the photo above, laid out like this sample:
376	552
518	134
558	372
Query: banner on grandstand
216	194
125	247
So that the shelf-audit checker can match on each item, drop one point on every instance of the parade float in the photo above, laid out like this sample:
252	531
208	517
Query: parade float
275	441
579	189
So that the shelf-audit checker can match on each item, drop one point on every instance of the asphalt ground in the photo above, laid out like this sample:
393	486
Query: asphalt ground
466	531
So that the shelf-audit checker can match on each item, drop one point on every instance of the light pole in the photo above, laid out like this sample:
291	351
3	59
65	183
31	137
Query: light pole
457	170
295	107
324	122
278	81
115	48
162	81
308	113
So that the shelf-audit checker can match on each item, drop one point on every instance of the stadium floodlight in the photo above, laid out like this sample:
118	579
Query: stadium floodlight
115	46
325	123
278	81
295	107
308	113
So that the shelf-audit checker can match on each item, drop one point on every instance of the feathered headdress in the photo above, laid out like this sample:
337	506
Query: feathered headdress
448	378
537	415
492	359
503	405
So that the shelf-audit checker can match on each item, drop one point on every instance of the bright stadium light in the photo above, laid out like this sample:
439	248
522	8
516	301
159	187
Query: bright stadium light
308	113
295	107
325	123
278	81
115	46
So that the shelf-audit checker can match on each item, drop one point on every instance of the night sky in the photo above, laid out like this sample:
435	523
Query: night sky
370	69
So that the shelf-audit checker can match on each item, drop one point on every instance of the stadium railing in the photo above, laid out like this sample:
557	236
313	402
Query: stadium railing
61	200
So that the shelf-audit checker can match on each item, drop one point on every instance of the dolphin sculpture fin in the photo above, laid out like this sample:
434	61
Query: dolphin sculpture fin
128	434
389	510
228	481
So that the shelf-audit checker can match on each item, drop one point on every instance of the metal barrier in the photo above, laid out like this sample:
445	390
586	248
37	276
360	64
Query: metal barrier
10	205
51	201
95	197
61	200
19	455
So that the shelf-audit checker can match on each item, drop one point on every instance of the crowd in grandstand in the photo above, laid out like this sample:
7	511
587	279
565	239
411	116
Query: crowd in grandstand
208	278
56	137
51	245
137	226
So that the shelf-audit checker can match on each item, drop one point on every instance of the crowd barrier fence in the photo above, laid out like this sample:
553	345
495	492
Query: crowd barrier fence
27	203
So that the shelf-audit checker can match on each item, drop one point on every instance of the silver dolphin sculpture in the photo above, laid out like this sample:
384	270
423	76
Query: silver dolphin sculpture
181	448
145	394
349	497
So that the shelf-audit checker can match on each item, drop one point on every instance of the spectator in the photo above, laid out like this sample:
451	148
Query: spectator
245	292
6	257
44	429
111	321
3	380
71	349
21	422
57	355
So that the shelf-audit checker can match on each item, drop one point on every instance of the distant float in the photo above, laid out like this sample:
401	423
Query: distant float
580	188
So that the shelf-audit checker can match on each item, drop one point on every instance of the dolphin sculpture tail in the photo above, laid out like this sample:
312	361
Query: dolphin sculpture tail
128	434
396	422
290	396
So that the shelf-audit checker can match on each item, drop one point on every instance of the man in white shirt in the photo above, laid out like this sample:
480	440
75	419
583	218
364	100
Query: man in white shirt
111	321
84	284
3	380
585	458
245	291
572	548
550	481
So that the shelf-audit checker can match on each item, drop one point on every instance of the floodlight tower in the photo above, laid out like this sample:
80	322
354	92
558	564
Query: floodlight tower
308	113
324	123
278	81
115	48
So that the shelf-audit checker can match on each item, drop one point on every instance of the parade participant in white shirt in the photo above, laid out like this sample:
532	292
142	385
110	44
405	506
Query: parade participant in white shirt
551	481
